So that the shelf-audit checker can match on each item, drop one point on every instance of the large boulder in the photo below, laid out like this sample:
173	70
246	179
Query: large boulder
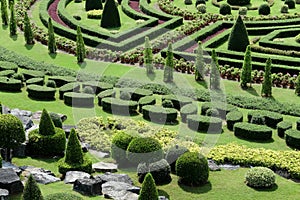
7	165
213	166
105	167
10	181
114	177
89	187
120	191
4	194
72	176
41	175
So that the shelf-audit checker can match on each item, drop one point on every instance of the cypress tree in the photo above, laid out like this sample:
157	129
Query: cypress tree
148	190
214	72
74	152
148	57
199	64
169	66
266	90
80	48
51	37
297	89
93	5
32	190
12	21
110	16
247	69
46	126
238	39
28	30
4	13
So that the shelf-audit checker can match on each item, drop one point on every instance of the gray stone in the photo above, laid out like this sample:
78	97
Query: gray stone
229	167
72	176
37	115
5	109
84	147
162	198
213	166
99	154
20	151
89	187
67	128
18	112
283	173
26	121
119	191
4	194
8	165
105	167
114	177
10	181
40	175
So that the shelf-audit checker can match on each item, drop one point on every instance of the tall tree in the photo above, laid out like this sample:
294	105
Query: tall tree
4	13
247	69
80	47
148	190
28	34
214	72
169	66
12	21
266	90
51	38
110	16
297	89
32	190
199	64
148	57
238	39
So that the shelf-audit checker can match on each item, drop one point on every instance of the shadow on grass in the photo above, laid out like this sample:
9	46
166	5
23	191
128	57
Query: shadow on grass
52	55
82	65
14	37
271	189
202	83
151	76
28	46
4	27
163	193
251	91
198	189
42	100
258	141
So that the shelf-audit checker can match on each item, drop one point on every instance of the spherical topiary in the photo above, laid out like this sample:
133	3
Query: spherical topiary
225	9
260	177
291	3
93	5
188	2
198	2
167	104
144	150
56	120
192	169
264	9
201	8
284	8
125	95
173	154
51	83
258	119
64	196
212	112
238	2
88	90
243	10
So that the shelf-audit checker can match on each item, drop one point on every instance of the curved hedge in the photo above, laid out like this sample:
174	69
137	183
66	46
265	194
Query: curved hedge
105	94
62	80
189	109
252	131
178	101
271	118
75	99
137	93
119	106
4	65
41	92
28	74
69	87
204	123
7	73
147	100
9	84
298	125
232	118
159	114
282	127
292	138
35	81
223	108
98	86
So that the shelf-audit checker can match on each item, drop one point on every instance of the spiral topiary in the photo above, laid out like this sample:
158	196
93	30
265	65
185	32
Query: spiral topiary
260	177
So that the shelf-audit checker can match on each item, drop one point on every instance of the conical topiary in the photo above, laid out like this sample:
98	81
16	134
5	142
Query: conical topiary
169	66
238	39
28	34
12	21
110	16
148	190
4	13
51	37
247	69
266	90
80	47
199	64
46	126
74	152
93	5
32	190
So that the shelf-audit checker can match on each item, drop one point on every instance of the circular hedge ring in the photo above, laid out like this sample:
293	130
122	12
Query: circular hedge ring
292	138
189	109
9	84
105	94
69	87
98	86
282	127
62	80
8	66
148	100
41	92
119	106
35	81
159	114
252	131
204	123
232	118
79	99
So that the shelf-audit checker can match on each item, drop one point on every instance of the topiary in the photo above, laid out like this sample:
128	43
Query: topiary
225	9
192	169
201	8
51	83
291	3
292	138
198	2
238	2
88	90
173	154
264	9
282	127
167	104
31	190
188	2
125	95
110	16
260	177
212	112
258	119
19	76
243	10
93	5
148	190
46	126
232	118
56	120
238	39
284	8
62	196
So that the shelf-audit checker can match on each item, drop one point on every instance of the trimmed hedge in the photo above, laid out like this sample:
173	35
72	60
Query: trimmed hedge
105	94
41	92
35	81
147	100
64	196
137	93
75	99
264	9
239	2
119	106
28	74
232	118
178	101
69	87
225	9
4	65
62	80
7	73
292	138
271	118
260	177
252	131
9	84
282	127
64	167
222	108
204	123
98	86
159	114
189	109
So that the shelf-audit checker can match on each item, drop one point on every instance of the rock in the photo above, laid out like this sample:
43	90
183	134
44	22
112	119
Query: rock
90	187
8	165
20	151
18	112
229	166
10	181
26	121
5	110
99	154
162	198
114	177
72	176
67	129
105	167
40	175
4	194
84	147
37	115
213	166
283	173
119	191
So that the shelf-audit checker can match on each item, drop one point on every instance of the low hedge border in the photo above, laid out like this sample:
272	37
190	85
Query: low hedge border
282	127
271	118
9	84
232	118
178	101
98	86
222	108
119	106
4	65
292	138
62	80
133	13
147	100
28	74
39	92
159	114
189	109
69	87
205	124
35	81
150	10
81	100
105	94
252	131
234	7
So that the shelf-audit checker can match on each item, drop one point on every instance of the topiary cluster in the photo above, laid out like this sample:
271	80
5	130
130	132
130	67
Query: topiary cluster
260	177
223	109
282	127
252	131
232	118
35	81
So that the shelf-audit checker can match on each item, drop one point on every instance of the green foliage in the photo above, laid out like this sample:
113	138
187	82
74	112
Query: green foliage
199	64
282	127
28	34
46	126
12	21
247	69
260	177
35	81
125	95
271	118
147	100
148	190
51	38
88	90
225	9
212	112
201	8
159	170
258	119
56	120
32	74
32	190
252	131
11	84
4	13
64	167
148	57
189	109
284	8
204	123
93	5
119	106
243	10
238	39
214	79
80	47
173	154
297	89
51	83
232	118
188	2
198	2
62	196
169	66
291	3
266	90
159	114
238	2
4	65
105	94
94	14
81	100
110	17
292	138
264	9
167	104
192	168
178	100
74	152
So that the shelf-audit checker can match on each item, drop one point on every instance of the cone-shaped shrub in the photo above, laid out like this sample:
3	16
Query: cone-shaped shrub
247	69
148	57
74	152
199	64
110	16
80	47
4	13
51	37
93	5
266	90
214	72
238	39
28	34
169	66
46	126
148	190
297	89
12	21
32	190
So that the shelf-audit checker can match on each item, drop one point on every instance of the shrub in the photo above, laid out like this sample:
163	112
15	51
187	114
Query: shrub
137	93
238	2
80	46
105	94
146	150
178	101
119	106
188	2
198	2
147	100
167	104
204	123
28	74
264	9
51	83
225	9
69	87
18	77
292	138
4	65
148	190
110	16
173	154
10	84
260	177
7	73
35	81
157	88
169	65
41	92
201	8
31	190
125	95
57	122
94	14
291	3
271	118
243	10
238	39
88	90
282	127
232	118
98	86
284	8
222	109
79	99
212	112
28	33
64	196
192	169
51	38
93	5
252	131
258	119
189	109
62	80
159	114
266	89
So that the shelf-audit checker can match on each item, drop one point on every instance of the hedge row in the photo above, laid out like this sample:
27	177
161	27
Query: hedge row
41	92
137	93
35	81
282	127
222	108
4	65
7	73
147	100
119	106
271	118
75	99
133	13
150	10
159	114
9	84
69	87
62	80
105	94
292	138
98	86
205	124
232	118
178	101
252	131
28	74
189	109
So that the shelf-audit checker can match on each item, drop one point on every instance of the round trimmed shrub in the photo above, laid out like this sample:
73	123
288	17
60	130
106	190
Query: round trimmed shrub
264	9
260	177
189	109
10	84
198	2
56	120
188	2
51	83
145	150
18	76
137	93
222	109
147	100
4	65
192	169
258	119
292	138
125	95
79	99
284	8
178	101
252	131
167	104
35	81
243	10
63	196
238	2
291	3
225	9
93	5
212	112
201	8
271	118
62	80
69	87
173	154
88	90
119	106
7	73
159	114
282	127
41	92
204	123
105	94
98	86
232	118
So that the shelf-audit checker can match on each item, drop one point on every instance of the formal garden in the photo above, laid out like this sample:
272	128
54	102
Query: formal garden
149	99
